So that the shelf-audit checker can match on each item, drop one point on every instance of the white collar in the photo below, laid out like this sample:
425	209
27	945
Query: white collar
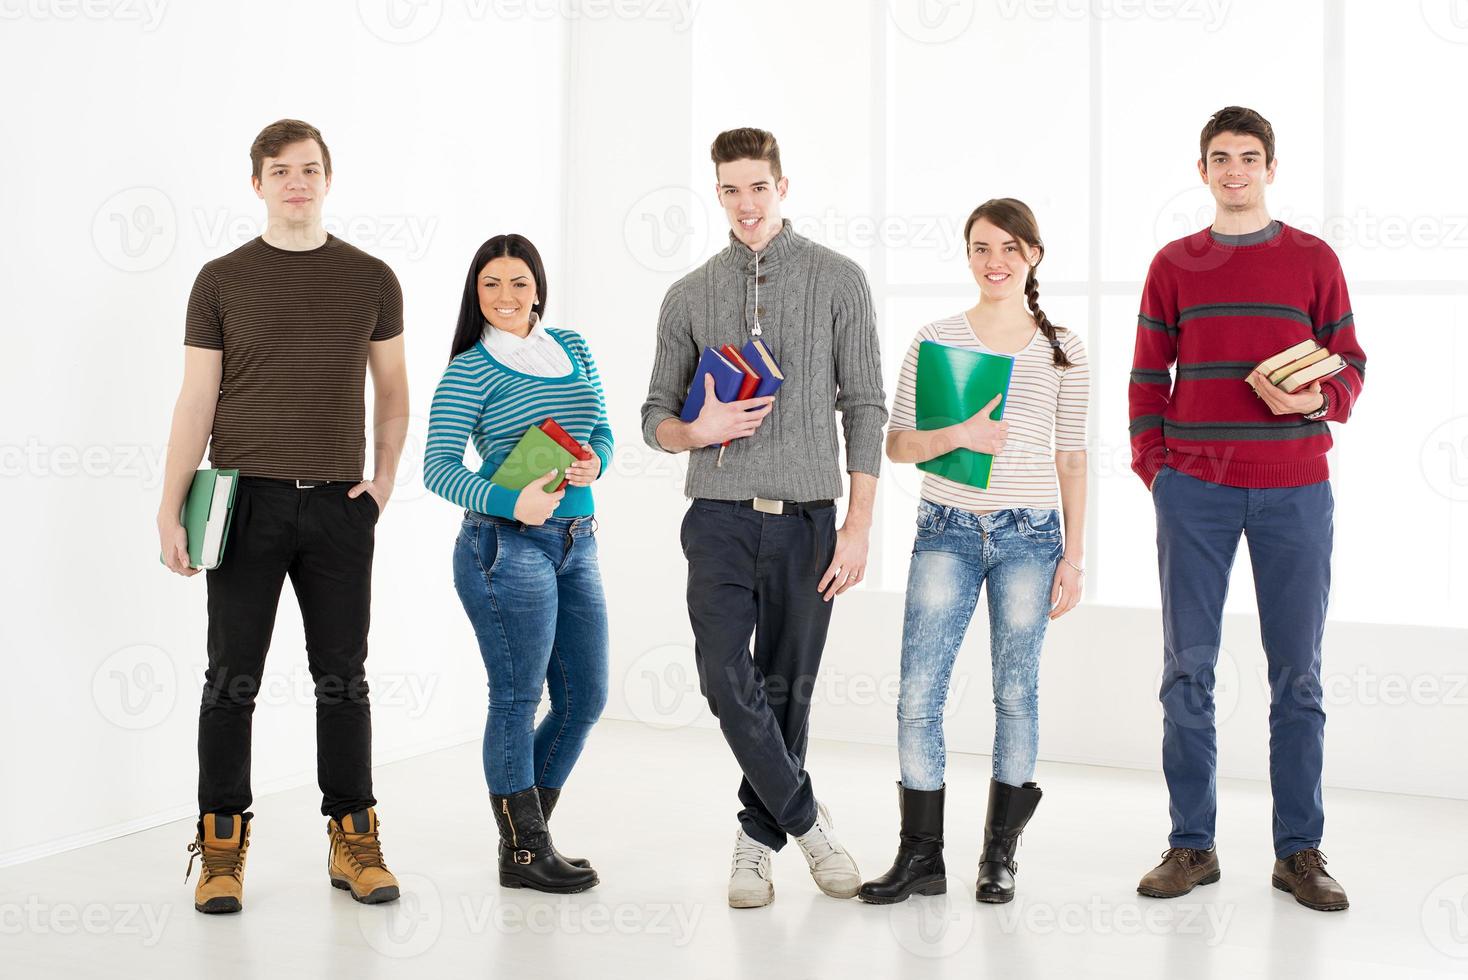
502	341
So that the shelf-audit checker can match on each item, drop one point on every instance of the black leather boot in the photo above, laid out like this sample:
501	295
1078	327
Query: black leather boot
528	859
1010	808
548	798
918	867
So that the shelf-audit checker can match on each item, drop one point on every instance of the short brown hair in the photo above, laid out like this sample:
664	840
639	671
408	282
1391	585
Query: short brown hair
746	144
1237	119
282	133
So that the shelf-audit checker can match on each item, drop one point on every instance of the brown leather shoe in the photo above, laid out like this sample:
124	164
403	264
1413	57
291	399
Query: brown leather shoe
355	863
1303	875
1182	869
221	840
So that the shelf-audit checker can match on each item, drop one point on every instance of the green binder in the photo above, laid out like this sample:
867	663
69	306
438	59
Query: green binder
952	385
535	455
206	516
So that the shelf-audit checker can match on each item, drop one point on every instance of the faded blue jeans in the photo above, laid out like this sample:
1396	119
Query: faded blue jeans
955	553
534	595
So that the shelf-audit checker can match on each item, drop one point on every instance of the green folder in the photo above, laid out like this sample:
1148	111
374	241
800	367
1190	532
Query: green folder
535	455
953	384
206	516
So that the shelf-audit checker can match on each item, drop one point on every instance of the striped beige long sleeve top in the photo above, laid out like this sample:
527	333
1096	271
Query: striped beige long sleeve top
1046	412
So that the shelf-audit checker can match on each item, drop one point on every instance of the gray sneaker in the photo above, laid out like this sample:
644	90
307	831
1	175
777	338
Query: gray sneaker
750	883
832	868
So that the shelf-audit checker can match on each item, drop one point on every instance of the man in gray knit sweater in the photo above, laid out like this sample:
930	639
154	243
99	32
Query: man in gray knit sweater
764	554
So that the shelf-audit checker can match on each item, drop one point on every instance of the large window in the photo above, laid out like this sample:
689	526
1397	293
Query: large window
894	124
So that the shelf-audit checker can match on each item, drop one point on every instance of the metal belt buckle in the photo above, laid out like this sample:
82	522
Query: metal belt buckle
769	506
308	484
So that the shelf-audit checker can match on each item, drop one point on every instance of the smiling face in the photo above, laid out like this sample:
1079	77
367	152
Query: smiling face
999	261
506	294
751	196
1235	171
294	184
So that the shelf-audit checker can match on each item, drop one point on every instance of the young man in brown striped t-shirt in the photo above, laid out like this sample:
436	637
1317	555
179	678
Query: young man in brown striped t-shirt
279	335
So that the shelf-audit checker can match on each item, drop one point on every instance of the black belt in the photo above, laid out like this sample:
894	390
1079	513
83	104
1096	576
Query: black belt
765	506
299	484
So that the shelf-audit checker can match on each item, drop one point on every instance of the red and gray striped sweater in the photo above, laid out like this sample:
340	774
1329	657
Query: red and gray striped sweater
1215	306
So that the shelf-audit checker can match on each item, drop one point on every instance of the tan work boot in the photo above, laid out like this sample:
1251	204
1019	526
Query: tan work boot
355	860
221	841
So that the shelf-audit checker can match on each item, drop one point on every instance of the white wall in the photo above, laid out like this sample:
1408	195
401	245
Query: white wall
589	132
126	168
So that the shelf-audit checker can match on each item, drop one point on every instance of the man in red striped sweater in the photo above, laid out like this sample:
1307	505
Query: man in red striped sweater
1226	453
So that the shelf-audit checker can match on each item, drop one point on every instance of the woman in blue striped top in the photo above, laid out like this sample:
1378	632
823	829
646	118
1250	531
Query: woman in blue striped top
525	564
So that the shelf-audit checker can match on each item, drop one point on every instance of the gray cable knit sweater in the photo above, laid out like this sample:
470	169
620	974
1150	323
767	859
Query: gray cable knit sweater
818	322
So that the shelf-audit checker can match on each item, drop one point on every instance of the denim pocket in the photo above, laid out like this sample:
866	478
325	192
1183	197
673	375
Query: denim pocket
1040	524
928	520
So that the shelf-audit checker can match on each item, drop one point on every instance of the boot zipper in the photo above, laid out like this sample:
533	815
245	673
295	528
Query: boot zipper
514	835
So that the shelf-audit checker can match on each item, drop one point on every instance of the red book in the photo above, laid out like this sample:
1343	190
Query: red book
563	439
751	377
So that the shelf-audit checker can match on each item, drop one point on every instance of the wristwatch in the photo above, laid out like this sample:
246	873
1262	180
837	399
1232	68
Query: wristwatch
1319	413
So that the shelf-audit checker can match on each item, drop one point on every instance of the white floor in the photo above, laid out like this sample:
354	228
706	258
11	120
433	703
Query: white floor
654	810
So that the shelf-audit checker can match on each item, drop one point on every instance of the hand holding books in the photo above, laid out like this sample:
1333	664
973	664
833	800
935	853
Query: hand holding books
1289	382
731	393
719	422
539	499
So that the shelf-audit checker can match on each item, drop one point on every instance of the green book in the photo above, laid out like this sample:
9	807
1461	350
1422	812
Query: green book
953	384
535	455
206	515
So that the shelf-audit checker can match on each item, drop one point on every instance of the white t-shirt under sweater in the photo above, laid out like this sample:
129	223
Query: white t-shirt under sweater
1046	412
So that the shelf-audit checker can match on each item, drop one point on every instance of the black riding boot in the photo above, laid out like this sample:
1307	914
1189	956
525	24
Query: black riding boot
528	859
1010	808
919	864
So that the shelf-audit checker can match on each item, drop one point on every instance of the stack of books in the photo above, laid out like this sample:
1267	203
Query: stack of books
542	448
1300	366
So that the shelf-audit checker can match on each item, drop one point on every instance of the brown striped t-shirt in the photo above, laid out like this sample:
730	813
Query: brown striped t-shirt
294	328
1046	412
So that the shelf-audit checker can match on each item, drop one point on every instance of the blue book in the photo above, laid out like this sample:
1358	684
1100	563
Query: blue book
759	357
727	379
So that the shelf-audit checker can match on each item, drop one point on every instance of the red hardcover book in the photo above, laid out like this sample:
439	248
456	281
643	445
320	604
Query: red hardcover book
563	439
751	377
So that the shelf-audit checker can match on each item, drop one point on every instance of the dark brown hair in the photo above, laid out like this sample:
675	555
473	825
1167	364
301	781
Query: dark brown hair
746	144
470	325
1015	218
1237	119
280	134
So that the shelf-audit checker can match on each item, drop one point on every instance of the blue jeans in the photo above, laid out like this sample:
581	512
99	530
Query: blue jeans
1016	551
534	596
1290	531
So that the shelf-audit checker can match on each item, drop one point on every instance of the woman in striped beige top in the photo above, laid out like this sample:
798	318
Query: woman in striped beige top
1008	535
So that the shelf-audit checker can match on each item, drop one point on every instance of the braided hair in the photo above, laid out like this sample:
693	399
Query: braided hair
1015	217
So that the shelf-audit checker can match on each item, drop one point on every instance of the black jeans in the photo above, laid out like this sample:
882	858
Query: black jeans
750	572
323	540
